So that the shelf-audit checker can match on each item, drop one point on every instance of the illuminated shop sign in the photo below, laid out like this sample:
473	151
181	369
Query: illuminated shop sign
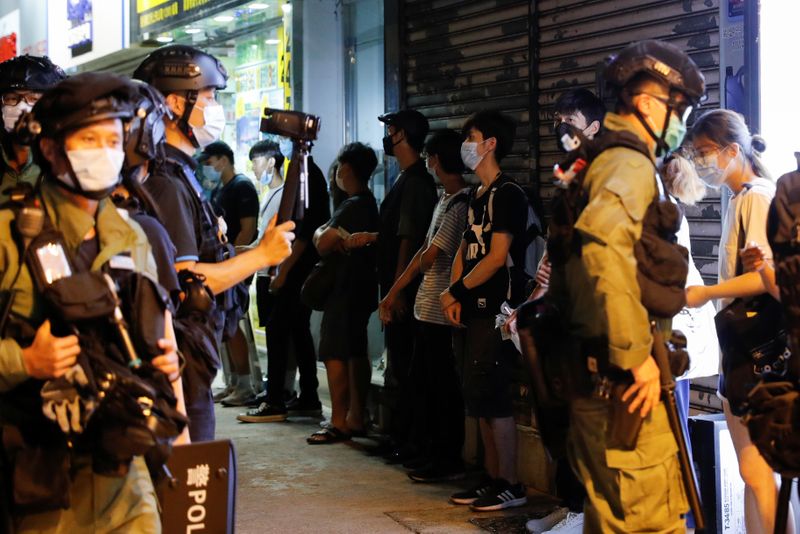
149	16
79	34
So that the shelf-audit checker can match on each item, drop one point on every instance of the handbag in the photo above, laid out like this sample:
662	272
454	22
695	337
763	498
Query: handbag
752	338
321	282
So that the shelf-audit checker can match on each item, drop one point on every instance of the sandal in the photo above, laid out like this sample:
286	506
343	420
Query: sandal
326	436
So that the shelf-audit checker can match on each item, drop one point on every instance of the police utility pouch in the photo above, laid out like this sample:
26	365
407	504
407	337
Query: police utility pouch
623	426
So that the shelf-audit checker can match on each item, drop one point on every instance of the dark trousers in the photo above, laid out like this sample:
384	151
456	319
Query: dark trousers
199	401
438	422
399	339
288	327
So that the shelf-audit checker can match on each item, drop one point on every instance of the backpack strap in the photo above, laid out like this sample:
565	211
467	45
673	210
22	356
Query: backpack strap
740	239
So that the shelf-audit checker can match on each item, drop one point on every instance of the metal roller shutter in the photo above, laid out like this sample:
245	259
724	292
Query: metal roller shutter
460	56
575	35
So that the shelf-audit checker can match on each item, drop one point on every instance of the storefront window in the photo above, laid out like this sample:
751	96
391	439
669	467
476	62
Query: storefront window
364	81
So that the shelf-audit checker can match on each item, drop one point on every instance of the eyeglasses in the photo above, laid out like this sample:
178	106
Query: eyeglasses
682	108
705	157
12	99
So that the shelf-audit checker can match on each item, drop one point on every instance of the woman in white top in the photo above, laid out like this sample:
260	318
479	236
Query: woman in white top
725	153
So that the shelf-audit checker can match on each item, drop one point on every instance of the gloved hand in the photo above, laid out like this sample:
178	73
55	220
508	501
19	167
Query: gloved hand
63	403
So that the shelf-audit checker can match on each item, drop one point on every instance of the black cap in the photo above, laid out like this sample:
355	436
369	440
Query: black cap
30	73
410	121
181	68
217	148
663	61
83	99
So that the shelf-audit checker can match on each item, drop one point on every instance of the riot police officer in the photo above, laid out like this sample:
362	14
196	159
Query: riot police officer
189	79
23	79
596	289
75	456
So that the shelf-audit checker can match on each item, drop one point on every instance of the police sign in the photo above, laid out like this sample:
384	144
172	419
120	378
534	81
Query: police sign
198	494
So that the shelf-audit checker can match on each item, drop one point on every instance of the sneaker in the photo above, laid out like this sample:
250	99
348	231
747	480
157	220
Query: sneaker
264	414
572	524
436	474
471	495
239	397
300	408
224	392
502	496
538	526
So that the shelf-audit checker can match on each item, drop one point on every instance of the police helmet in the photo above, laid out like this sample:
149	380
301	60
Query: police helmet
145	138
177	68
84	99
29	73
664	62
182	69
77	102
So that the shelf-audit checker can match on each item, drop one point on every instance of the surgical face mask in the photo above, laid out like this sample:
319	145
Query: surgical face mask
676	132
287	146
96	169
469	154
708	169
213	125
211	174
11	114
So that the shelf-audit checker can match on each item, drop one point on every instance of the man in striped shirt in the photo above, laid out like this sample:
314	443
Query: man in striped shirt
438	432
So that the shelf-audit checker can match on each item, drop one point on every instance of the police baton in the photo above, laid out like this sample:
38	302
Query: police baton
668	396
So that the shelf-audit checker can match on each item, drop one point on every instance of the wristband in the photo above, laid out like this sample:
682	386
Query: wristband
459	290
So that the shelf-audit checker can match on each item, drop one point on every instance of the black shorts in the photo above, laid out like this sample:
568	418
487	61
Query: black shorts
487	366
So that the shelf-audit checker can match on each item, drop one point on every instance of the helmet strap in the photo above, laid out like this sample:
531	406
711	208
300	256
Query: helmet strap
183	121
661	144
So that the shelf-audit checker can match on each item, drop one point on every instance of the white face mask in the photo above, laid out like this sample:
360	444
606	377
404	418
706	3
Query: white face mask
96	169
213	125
708	170
469	154
11	114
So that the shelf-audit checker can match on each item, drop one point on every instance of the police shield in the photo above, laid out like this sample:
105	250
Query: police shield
198	493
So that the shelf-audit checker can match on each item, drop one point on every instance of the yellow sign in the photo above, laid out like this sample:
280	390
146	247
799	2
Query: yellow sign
188	5
144	5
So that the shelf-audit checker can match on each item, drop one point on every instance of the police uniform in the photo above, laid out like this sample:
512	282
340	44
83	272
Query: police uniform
29	173
98	503
627	490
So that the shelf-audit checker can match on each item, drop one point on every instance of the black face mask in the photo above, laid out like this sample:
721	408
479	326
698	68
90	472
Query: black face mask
567	129
388	145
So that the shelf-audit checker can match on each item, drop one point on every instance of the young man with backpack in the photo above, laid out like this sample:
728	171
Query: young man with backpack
487	271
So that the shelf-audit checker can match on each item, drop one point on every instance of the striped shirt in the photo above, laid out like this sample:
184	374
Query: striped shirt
445	232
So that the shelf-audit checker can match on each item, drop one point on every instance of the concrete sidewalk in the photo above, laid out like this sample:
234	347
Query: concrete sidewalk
286	485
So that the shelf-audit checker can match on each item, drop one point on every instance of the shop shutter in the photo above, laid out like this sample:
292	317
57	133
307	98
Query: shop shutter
575	35
460	56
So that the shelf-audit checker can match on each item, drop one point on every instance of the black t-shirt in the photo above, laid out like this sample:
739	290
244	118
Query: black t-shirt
405	213
358	213
509	214
235	201
175	205
163	251
317	214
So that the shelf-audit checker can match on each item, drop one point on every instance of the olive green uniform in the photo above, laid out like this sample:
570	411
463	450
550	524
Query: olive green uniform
627	491
28	173
98	503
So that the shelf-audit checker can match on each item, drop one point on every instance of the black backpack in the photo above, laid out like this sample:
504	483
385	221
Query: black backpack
662	264
783	233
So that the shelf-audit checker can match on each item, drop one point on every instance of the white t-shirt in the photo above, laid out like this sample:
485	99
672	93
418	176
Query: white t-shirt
697	324
747	213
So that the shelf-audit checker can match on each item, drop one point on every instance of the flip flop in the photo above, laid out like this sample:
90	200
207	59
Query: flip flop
326	436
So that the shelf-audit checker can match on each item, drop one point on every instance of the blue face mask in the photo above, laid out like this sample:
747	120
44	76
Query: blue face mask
211	174
286	145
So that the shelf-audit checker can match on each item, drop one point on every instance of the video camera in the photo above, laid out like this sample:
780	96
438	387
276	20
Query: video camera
302	128
293	124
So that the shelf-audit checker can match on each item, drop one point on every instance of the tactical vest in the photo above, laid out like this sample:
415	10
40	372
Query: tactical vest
212	247
130	408
662	264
